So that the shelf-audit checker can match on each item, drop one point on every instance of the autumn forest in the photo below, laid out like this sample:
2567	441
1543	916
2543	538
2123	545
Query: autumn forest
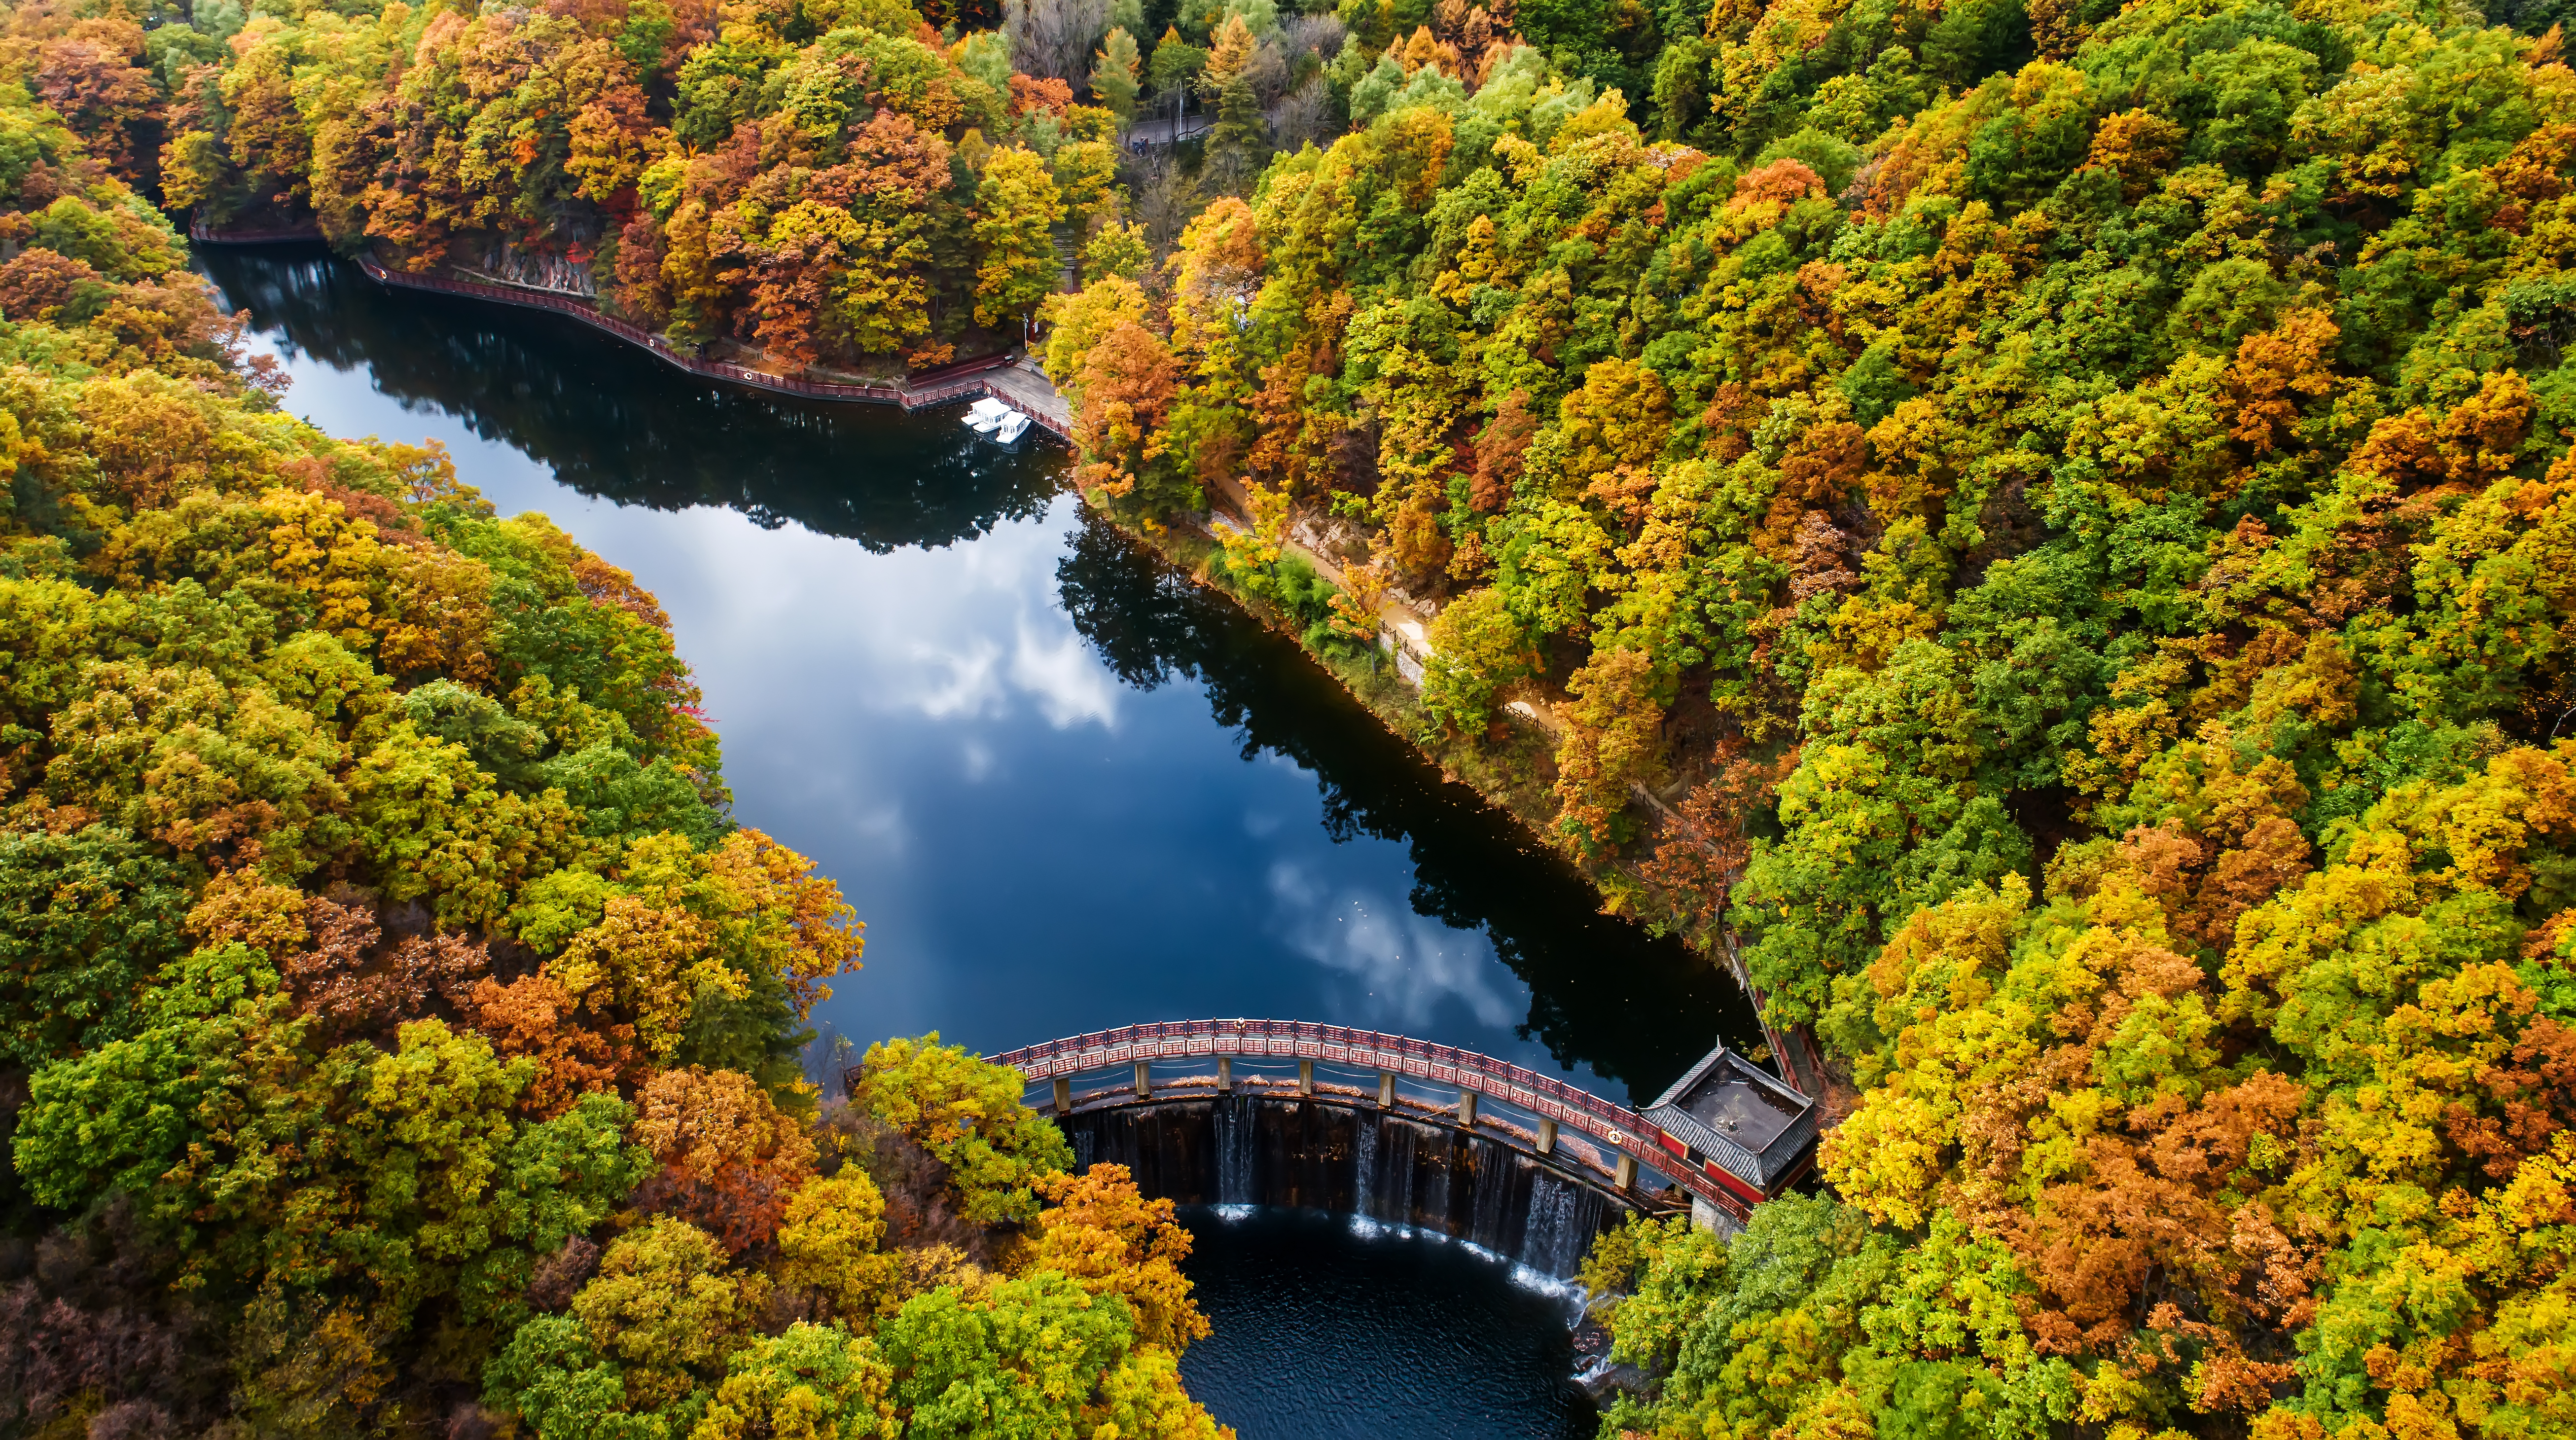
398	1034
2035	533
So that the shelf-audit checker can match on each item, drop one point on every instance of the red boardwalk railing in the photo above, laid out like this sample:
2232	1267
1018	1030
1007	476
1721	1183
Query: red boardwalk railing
204	234
920	392
1621	1128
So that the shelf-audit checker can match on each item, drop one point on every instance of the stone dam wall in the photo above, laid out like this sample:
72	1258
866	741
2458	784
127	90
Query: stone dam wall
1352	1159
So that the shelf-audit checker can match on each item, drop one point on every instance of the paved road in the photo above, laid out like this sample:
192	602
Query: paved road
1150	134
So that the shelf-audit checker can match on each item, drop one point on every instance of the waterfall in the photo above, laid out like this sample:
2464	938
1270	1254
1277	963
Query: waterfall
1235	1138
1444	1165
1364	1143
1553	1242
1386	1170
1490	1223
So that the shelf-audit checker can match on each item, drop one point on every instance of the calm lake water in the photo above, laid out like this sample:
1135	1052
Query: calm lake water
1065	788
1329	1327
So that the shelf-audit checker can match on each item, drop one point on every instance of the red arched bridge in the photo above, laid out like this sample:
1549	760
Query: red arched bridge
1727	1135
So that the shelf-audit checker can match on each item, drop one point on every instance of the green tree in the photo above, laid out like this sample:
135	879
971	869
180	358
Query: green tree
812	1381
85	919
1237	144
968	1115
1115	250
1114	68
1023	1361
664	1310
1477	648
1016	267
1174	63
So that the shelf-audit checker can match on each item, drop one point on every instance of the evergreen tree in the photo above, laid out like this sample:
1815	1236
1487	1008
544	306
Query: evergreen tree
1238	143
1113	74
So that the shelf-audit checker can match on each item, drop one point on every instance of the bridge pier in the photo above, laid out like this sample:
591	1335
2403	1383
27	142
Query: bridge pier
1705	1216
1305	1077
1546	1136
1385	1091
1225	1074
1063	1096
1466	1107
1144	1081
1626	1177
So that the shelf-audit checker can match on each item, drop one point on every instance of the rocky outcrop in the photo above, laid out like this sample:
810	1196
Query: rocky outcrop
535	270
1595	1373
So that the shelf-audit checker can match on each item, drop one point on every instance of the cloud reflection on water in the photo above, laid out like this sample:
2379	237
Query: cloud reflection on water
1019	745
1407	964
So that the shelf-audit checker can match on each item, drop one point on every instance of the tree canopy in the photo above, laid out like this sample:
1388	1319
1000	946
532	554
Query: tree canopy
399	1035
2037	534
2028	528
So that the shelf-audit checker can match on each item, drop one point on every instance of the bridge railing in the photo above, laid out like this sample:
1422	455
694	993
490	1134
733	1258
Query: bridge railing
1202	1042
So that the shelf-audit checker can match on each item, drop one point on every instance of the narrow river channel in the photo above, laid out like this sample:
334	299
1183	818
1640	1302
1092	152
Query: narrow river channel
1065	788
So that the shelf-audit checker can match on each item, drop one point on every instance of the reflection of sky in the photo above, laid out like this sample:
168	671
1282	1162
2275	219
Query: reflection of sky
1037	848
1405	965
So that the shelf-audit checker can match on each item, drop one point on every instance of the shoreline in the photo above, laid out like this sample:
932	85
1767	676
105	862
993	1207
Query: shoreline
967	380
945	386
1516	782
1513	777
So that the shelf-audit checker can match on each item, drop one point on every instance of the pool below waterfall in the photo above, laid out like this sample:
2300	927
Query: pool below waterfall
1066	788
1328	1327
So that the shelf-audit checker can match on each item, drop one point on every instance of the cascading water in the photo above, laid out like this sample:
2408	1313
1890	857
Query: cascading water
1365	1138
1444	1156
1554	1240
1385	1169
1492	1211
1236	1144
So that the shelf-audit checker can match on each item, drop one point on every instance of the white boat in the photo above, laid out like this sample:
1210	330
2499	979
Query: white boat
1013	426
987	414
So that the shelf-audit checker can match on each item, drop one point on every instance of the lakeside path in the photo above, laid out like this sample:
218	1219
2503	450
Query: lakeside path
1023	384
1011	377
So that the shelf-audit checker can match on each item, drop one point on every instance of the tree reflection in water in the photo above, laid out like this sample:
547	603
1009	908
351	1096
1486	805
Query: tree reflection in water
1602	991
615	423
611	422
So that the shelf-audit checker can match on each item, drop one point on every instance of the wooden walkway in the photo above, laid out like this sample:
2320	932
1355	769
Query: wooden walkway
1494	1098
998	376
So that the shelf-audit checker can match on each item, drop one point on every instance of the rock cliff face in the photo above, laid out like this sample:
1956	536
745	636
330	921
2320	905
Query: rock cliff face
1276	1150
536	270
